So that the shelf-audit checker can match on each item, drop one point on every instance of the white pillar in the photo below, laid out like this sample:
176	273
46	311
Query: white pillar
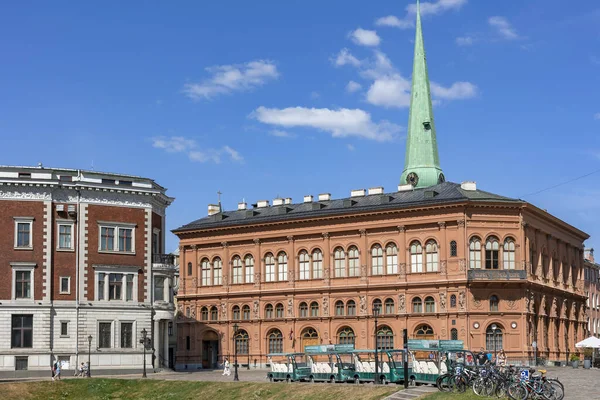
156	343
166	342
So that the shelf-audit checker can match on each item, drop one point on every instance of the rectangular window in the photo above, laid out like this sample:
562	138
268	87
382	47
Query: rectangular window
125	239
129	287
104	332
66	178
159	288
21	363
416	262
126	335
115	283
22	331
155	243
107	238
101	286
23	227
23	285
170	328
249	270
392	264
65	285
123	234
64	329
64	236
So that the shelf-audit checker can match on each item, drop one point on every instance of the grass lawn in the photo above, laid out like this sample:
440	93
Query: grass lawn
109	389
468	395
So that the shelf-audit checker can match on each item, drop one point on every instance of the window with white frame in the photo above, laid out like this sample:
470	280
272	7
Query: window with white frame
217	271
104	335
156	241
304	265
317	264
353	262
282	266
114	284
416	257
508	256
23	280
205	266
376	260
65	235
391	259
431	251
249	261
269	268
339	262
159	288
126	335
23	232
475	253
64	328
117	237
238	276
65	285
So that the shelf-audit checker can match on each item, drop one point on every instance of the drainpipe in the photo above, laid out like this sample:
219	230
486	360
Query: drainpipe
78	244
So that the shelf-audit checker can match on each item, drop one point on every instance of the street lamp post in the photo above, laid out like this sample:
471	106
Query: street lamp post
235	364
494	328
89	372
375	312
144	335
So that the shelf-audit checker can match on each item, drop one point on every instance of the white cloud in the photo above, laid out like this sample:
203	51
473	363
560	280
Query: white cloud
395	22
503	27
179	144
379	67
390	91
437	7
350	147
345	58
458	91
352	87
342	122
365	37
280	133
597	116
465	40
230	78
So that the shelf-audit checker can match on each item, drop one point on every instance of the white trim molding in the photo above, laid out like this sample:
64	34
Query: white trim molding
71	225
116	227
23	220
23	266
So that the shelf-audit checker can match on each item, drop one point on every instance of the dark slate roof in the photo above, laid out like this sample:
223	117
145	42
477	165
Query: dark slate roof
446	192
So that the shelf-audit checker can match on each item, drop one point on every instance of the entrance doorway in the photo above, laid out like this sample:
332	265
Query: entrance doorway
171	358
210	350
310	337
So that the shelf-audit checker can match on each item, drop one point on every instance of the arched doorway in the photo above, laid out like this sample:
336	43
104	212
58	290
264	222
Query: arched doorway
493	340
210	349
424	332
310	337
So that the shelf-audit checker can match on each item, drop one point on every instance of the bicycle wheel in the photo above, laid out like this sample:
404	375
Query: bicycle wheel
501	389
443	383
552	392
517	391
479	386
458	384
559	389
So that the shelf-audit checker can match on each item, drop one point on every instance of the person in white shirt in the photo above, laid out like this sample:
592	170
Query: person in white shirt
226	369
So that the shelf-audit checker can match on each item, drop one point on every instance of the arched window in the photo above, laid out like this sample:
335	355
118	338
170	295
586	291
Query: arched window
246	312
236	312
279	310
269	311
416	257
353	262
339	308
475	253
423	332
429	305
204	314
376	260
269	268
205	266
304	265
391	261
282	266
310	337
241	341
249	261
454	334
432	256
385	338
339	262
417	305
494	303
214	313
303	310
508	256
345	336
217	271
275	339
317	264
351	308
492	248
190	269
453	301
493	342
238	277
377	305
314	309
389	306
453	249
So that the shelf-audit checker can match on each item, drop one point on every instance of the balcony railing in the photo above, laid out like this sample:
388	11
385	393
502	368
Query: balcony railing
165	259
496	275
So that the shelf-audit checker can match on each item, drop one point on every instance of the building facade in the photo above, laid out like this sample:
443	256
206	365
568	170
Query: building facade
592	291
439	259
83	254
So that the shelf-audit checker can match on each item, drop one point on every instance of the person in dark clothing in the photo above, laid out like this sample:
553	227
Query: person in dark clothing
481	357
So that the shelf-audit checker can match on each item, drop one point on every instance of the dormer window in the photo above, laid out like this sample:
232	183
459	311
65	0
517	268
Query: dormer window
427	125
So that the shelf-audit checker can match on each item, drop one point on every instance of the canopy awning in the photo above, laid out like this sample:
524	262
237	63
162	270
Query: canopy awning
592	341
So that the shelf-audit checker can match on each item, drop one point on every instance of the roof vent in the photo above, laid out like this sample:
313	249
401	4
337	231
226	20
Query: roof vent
325	197
262	203
469	185
357	193
430	194
376	190
405	188
349	202
214	209
242	206
60	207
277	202
308	198
288	200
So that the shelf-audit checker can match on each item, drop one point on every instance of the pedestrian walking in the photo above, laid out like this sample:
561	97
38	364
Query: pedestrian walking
57	374
226	369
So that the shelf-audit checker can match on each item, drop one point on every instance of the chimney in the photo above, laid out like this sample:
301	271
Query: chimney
277	202
308	198
376	190
469	185
357	193
262	203
325	197
213	209
242	206
405	188
288	200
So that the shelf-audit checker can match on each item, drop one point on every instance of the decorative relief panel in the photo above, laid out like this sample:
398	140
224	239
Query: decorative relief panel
461	301
401	304
443	302
363	304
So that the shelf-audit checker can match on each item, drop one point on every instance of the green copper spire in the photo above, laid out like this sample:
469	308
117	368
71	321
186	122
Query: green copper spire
422	163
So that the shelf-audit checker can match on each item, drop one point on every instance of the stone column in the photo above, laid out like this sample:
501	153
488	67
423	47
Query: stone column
258	264
442	249
364	253
226	266
166	342
195	270
327	259
462	250
292	262
402	246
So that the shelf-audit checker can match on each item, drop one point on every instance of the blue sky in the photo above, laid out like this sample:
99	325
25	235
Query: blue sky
266	98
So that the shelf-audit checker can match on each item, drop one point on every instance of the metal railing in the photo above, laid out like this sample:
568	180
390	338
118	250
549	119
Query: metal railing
496	275
167	259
